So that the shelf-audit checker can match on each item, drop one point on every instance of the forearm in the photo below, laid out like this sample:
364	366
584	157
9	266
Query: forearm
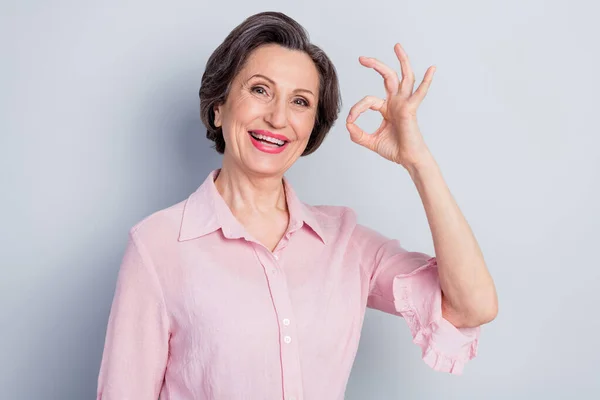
469	294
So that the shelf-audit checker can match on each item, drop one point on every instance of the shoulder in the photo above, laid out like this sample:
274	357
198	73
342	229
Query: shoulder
331	212
345	219
341	214
162	225
330	216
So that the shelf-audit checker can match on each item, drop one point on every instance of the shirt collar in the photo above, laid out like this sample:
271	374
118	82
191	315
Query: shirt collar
205	211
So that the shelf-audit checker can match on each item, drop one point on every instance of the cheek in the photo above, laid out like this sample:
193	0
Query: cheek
242	110
248	107
304	125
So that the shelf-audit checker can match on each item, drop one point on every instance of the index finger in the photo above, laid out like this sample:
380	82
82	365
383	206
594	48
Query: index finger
390	77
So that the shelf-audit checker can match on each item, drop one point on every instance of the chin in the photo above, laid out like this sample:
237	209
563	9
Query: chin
265	167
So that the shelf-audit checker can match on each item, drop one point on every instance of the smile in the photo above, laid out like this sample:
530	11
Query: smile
268	139
267	144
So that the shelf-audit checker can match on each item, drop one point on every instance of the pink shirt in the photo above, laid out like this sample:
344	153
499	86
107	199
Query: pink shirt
203	311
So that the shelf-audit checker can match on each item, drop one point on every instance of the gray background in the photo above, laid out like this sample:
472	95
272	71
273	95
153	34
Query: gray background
100	127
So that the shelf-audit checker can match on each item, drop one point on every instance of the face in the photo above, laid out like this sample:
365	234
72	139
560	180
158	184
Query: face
270	111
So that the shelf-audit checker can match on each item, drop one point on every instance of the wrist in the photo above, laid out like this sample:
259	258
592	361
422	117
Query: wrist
422	163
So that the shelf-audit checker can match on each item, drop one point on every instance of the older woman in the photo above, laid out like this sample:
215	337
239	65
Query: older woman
242	291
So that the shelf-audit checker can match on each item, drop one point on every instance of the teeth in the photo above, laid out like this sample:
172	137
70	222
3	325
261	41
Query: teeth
268	139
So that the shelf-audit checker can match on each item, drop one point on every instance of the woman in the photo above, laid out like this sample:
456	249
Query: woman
242	290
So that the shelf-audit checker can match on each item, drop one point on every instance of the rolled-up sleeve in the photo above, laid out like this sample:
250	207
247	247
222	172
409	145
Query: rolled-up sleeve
136	345
406	283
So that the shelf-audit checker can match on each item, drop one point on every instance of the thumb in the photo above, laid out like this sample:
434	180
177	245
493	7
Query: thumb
359	136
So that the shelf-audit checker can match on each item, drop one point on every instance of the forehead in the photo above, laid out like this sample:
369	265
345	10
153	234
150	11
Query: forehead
288	68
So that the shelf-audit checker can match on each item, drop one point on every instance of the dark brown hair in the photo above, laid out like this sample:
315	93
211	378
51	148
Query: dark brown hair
230	57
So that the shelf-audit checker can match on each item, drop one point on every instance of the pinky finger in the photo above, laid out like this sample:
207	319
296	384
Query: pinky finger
423	88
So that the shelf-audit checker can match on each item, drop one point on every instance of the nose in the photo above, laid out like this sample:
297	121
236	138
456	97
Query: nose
277	113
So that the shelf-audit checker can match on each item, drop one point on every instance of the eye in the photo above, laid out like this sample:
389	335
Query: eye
303	102
255	88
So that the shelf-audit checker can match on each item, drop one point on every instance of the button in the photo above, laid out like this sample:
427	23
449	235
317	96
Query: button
274	271
287	339
292	398
286	321
276	256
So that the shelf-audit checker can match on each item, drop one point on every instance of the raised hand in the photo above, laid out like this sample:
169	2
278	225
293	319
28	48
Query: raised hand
398	138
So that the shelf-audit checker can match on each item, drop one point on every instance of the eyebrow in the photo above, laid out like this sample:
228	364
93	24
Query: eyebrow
275	84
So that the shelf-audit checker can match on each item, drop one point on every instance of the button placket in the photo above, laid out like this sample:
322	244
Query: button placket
275	263
282	303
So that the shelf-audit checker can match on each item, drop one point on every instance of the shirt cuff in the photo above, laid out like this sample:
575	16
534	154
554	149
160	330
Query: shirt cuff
418	298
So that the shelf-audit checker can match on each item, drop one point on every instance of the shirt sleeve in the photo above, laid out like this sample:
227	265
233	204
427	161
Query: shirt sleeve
136	346
406	283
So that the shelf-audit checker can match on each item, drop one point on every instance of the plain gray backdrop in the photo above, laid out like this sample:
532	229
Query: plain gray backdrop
99	127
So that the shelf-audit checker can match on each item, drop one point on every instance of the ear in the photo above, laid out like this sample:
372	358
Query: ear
217	110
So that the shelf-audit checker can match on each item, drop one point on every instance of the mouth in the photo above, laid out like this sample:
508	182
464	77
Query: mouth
268	140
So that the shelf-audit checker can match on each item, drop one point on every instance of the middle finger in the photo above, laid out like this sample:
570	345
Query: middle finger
408	75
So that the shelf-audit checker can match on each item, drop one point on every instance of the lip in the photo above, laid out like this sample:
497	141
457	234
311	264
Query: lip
271	134
265	148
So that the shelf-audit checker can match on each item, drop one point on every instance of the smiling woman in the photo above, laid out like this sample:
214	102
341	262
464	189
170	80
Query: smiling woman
274	95
242	291
283	35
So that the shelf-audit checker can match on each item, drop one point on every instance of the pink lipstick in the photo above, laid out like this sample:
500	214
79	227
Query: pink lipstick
268	142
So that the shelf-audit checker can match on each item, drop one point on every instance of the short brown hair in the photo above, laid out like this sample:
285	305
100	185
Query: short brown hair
229	58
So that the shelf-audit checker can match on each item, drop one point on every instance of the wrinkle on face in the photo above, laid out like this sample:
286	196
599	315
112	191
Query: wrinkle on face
278	107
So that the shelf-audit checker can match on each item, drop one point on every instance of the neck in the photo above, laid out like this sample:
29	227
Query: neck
246	192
